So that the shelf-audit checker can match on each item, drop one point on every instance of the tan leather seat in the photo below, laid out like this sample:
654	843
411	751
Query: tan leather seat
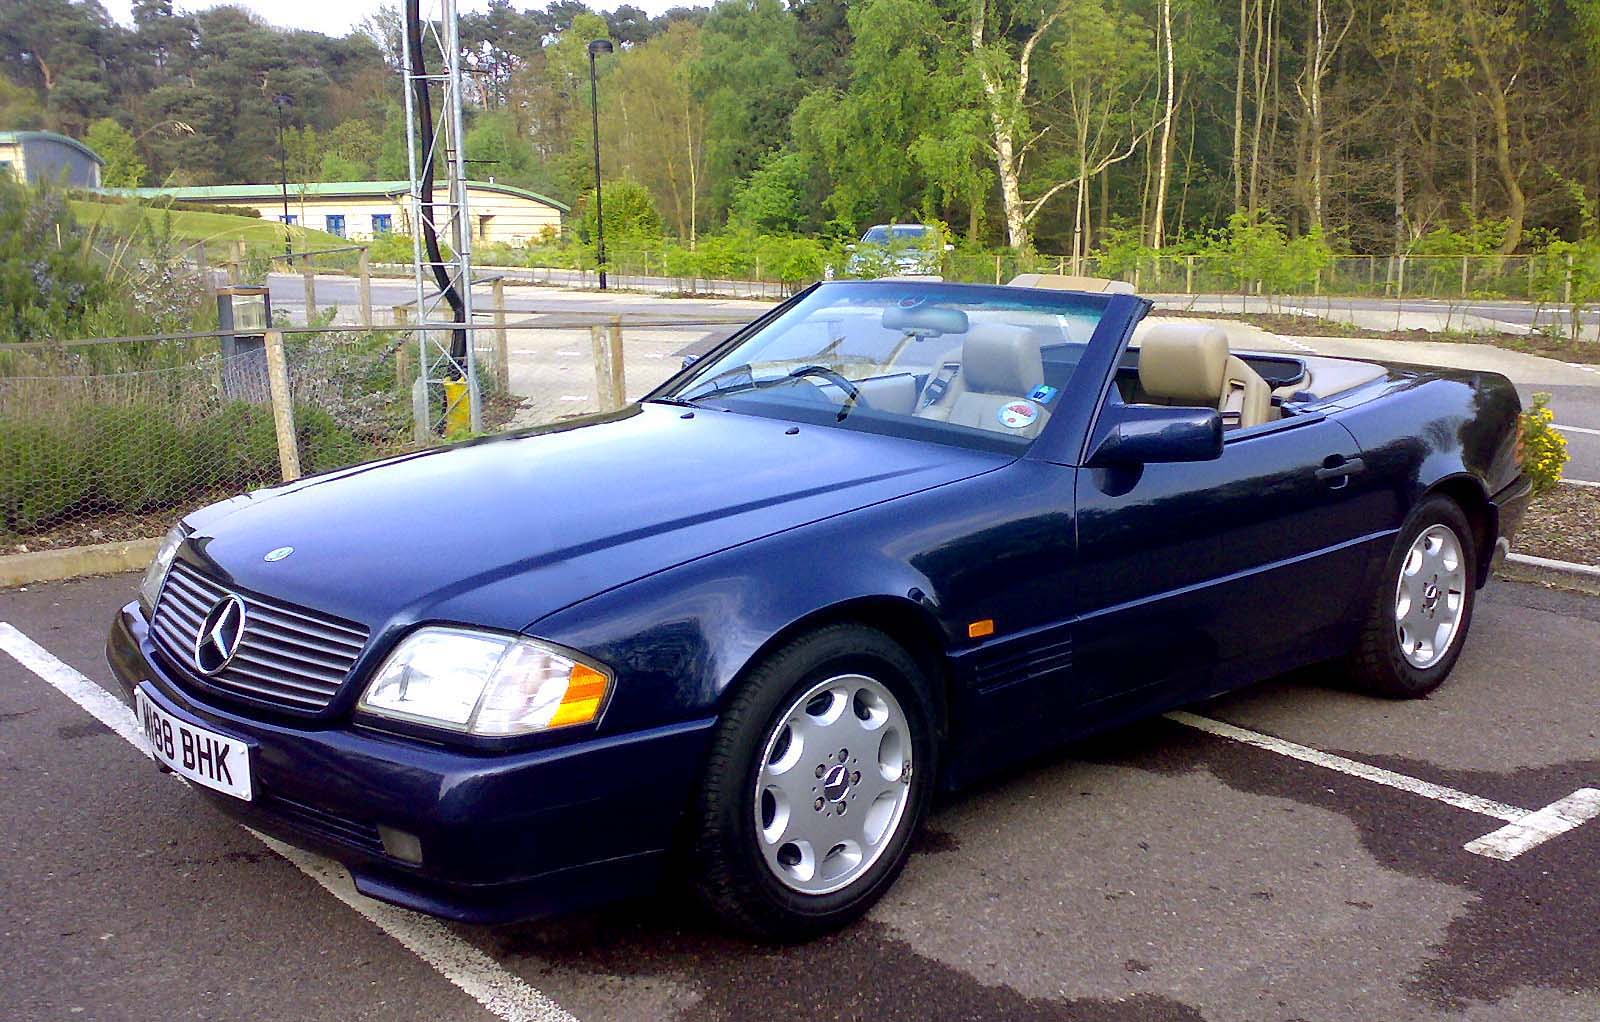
1189	364
1000	366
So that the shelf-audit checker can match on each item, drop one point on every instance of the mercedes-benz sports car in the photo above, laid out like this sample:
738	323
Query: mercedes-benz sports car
887	539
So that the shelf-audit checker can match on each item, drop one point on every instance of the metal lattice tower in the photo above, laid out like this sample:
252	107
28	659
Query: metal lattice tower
445	379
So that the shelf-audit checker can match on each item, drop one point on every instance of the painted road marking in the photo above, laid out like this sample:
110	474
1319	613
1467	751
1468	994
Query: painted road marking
1525	828
1585	430
1513	839
467	968
1378	775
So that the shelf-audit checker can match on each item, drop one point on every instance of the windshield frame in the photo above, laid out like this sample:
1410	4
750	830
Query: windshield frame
1060	439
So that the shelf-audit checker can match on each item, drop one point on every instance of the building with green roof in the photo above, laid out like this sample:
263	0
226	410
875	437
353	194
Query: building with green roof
35	156
364	209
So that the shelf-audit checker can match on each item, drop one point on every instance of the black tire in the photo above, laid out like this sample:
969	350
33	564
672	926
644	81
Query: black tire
1379	663
733	880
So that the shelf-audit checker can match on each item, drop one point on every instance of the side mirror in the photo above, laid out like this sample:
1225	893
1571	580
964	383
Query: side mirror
1156	434
689	360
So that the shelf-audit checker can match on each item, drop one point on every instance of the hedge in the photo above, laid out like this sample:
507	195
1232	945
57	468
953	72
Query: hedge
136	458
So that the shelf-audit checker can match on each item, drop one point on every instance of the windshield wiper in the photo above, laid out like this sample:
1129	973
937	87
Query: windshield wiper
738	378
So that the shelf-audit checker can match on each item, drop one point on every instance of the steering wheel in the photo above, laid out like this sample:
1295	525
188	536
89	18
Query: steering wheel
852	392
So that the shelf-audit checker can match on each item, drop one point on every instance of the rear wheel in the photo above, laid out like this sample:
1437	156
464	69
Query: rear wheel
821	771
1418	621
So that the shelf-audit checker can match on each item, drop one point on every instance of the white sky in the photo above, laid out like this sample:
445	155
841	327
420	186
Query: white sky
336	17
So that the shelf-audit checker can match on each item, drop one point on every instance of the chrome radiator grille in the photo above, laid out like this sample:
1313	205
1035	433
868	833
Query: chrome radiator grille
286	655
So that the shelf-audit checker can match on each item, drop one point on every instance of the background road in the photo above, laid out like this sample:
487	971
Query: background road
1157	873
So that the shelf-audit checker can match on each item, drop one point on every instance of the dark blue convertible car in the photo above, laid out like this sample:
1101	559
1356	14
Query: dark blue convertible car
890	537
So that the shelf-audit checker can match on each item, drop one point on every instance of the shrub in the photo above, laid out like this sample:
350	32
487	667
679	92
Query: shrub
136	457
1544	449
42	474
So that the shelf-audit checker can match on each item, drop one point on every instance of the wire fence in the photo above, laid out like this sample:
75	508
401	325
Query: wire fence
109	440
1535	278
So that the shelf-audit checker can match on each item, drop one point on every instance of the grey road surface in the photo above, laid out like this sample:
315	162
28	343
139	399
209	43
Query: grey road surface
1156	874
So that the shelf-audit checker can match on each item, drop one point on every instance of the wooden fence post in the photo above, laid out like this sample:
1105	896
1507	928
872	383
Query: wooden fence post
602	372
1188	274
1463	276
364	268
619	390
1566	288
502	355
605	344
282	407
308	273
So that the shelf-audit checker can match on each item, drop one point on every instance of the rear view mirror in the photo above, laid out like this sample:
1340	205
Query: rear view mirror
1157	434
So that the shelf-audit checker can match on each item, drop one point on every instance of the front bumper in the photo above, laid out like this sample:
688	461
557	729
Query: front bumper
503	836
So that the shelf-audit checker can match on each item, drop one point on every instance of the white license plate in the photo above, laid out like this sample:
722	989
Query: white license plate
204	757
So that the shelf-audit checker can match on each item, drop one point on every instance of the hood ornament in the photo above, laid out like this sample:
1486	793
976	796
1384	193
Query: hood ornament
278	554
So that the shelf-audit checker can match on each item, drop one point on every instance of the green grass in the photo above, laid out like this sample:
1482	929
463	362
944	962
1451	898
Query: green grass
262	237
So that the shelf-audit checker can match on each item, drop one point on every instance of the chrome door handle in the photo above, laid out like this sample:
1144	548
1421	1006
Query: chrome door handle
1338	475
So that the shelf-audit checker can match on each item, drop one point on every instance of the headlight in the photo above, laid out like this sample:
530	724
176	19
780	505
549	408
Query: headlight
150	586
485	683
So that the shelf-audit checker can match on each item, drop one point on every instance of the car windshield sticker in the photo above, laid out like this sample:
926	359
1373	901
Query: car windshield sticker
1018	414
1044	394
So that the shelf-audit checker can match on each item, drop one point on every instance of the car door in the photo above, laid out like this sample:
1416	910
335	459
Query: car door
1199	576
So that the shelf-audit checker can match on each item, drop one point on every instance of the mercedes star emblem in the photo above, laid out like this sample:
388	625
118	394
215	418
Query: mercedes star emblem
220	635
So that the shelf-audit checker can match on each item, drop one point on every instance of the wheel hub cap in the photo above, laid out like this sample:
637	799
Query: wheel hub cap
1430	595
833	783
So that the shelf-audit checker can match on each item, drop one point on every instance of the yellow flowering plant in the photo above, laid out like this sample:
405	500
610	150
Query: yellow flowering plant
1544	449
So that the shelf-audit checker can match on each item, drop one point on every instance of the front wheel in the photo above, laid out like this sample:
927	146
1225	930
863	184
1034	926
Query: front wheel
820	773
1419	618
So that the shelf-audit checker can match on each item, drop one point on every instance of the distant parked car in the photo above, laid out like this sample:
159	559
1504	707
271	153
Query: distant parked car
888	539
896	250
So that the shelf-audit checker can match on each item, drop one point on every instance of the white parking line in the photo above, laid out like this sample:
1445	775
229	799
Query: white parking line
469	969
1525	828
1585	430
1378	775
1513	839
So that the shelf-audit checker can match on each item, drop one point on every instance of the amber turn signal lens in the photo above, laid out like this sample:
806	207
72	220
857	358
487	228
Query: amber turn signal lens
586	691
979	629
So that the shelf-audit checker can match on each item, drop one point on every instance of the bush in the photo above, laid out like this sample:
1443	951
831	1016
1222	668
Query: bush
136	457
1544	449
42	474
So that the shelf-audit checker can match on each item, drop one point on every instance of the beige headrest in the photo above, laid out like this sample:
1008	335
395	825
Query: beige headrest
997	359
1184	362
1066	282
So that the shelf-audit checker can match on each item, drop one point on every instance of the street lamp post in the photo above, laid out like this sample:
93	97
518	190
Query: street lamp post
596	47
283	103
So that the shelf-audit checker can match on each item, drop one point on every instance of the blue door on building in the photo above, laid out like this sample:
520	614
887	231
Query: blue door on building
335	224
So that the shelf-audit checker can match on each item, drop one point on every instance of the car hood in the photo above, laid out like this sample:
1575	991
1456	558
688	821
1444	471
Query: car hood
502	532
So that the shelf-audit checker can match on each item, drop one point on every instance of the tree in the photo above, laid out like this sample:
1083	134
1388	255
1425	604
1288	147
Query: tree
116	146
654	128
631	216
773	200
20	108
745	75
63	49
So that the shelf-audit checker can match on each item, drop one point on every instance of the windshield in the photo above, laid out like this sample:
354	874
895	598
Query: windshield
882	235
963	364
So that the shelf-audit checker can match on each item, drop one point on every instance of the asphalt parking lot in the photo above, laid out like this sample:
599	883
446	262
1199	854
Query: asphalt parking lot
1162	872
